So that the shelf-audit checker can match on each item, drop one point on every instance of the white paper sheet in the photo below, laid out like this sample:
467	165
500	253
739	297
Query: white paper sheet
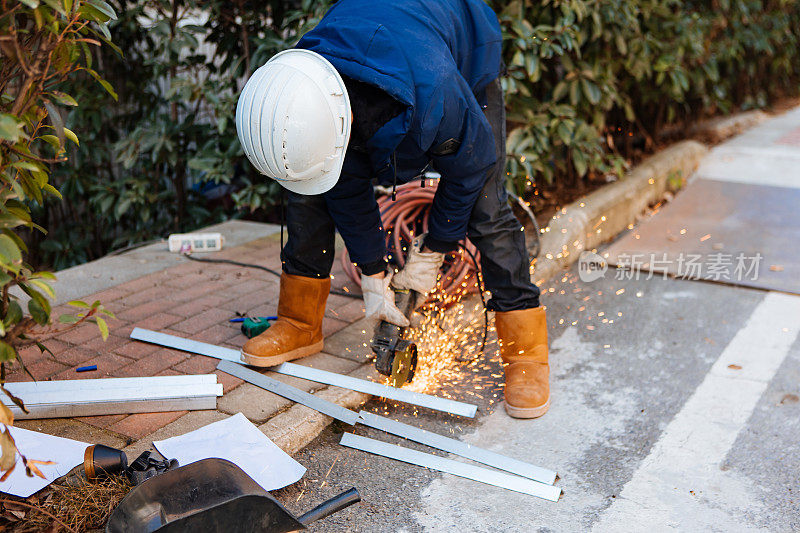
239	441
66	453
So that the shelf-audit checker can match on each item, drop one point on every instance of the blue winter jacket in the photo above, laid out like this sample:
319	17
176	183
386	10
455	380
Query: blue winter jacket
436	57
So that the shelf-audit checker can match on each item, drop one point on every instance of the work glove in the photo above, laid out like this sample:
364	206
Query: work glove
379	301
421	269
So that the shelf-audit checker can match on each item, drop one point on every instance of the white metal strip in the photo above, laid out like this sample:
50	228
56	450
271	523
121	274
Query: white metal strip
312	374
91	385
378	389
89	397
434	440
187	345
113	408
287	391
434	462
121	395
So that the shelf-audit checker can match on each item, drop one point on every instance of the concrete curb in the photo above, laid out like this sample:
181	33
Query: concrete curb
719	129
603	214
295	428
577	227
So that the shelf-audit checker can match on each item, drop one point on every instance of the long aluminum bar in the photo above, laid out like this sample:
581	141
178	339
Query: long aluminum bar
312	374
434	462
91	397
287	391
434	440
378	389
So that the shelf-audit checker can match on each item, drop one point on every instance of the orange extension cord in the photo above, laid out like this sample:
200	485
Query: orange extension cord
406	217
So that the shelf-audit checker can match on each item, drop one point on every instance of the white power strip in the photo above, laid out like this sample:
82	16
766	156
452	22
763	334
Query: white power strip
196	242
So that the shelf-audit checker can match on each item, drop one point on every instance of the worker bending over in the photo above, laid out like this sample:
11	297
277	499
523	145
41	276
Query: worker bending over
380	91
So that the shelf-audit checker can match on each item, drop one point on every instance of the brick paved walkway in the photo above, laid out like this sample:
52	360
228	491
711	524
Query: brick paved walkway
189	300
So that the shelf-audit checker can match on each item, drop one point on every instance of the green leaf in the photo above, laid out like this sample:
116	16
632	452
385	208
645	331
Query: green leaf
107	86
68	319
104	34
92	13
564	133
71	136
104	8
579	160
591	91
14	314
560	90
103	327
52	140
52	190
87	54
45	287
7	352
37	296
10	254
122	207
17	239
27	165
56	5
38	312
64	98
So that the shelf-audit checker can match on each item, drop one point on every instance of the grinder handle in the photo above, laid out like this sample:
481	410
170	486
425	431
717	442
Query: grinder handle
335	504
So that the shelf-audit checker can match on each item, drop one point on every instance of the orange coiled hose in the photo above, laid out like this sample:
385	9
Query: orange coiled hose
406	217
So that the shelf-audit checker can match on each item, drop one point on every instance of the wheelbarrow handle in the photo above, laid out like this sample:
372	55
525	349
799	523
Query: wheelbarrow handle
335	504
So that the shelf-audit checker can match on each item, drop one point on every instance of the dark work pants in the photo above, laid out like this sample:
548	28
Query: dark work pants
493	229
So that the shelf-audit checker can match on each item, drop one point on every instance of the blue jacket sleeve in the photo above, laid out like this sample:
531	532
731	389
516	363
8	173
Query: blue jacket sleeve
462	151
352	205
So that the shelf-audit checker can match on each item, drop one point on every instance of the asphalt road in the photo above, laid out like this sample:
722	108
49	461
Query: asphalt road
642	431
675	405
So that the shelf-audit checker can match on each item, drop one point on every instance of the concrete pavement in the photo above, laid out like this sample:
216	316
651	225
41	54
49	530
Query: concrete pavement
675	407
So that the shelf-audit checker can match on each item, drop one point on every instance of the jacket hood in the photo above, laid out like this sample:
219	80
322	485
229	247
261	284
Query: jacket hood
426	54
366	51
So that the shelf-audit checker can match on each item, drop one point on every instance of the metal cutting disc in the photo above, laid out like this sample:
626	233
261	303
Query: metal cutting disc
404	364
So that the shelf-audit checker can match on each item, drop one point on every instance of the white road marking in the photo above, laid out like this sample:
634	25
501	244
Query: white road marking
778	166
680	484
564	437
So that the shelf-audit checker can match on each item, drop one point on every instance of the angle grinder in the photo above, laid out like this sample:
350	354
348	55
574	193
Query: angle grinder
395	356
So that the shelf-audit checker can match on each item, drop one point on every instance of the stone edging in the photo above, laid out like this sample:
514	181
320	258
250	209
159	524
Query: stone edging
604	213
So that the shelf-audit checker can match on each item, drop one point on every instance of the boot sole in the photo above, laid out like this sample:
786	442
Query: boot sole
527	412
257	360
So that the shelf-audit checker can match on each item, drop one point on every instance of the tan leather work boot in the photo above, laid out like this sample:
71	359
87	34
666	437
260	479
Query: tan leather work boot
523	345
298	331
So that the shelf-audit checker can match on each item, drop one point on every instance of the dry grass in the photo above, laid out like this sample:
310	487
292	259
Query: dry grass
75	505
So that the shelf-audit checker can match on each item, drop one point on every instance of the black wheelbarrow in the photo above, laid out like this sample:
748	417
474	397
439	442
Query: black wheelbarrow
212	495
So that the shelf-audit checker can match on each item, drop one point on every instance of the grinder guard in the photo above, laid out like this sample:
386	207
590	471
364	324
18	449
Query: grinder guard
395	356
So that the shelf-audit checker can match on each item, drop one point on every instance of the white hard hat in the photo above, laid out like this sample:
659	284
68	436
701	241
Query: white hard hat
293	120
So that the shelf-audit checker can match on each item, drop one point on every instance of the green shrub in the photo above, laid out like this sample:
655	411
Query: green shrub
587	79
138	175
591	85
43	46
